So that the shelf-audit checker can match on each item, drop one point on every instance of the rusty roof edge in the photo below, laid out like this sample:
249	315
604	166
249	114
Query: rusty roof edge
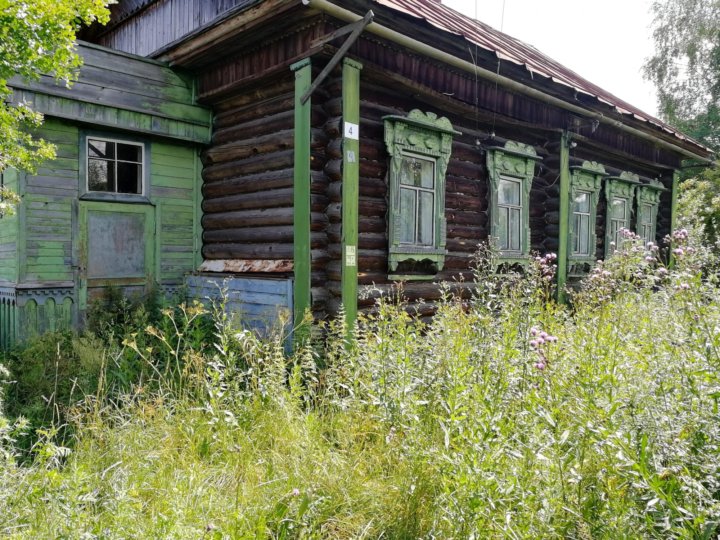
430	51
552	69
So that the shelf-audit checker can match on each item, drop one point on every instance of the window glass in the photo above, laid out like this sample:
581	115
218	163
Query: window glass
114	166
417	201
509	192
426	210
407	216
618	219
645	222
581	223
509	214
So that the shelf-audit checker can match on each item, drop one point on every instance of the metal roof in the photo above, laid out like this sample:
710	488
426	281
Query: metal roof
516	51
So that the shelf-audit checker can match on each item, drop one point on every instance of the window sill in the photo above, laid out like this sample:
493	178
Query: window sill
410	277
127	198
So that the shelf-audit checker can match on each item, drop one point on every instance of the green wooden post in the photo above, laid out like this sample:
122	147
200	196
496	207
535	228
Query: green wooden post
350	186
562	260
674	201
674	210
301	191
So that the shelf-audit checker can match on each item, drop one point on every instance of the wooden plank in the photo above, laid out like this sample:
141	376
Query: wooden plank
301	182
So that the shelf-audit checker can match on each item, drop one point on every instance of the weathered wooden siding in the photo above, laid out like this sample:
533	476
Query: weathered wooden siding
121	91
174	189
48	203
261	304
163	22
9	231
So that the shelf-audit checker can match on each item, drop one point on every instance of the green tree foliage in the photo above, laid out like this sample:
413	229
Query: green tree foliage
686	72
686	65
36	37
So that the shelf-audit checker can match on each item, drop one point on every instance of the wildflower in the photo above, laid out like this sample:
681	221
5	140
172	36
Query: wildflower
684	286
649	259
678	251
540	365
533	343
534	331
295	492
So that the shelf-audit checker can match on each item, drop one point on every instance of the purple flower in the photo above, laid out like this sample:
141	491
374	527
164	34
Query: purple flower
678	251
540	365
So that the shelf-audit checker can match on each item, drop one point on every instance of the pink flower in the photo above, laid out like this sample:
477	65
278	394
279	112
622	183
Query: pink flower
540	365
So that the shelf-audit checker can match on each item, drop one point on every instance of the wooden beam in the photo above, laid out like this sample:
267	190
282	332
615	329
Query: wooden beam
350	187
564	234
301	192
335	60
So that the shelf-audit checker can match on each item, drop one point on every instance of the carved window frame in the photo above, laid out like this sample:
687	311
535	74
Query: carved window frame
619	187
514	161
424	136
648	199
585	178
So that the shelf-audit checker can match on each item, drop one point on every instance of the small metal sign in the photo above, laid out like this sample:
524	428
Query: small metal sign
352	131
350	256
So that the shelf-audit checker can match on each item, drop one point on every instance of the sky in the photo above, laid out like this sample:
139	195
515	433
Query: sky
604	41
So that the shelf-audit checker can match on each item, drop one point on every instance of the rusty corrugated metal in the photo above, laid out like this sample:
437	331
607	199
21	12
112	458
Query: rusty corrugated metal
516	51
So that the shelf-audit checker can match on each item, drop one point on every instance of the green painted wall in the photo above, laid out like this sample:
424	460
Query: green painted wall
47	216
40	246
9	234
174	188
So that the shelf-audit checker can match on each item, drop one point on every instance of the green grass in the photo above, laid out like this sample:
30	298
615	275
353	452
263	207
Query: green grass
465	428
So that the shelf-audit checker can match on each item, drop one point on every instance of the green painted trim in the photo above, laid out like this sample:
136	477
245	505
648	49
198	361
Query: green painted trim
426	136
564	240
409	277
302	260
197	130
350	187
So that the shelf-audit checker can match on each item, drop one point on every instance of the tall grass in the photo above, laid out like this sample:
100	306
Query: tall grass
508	416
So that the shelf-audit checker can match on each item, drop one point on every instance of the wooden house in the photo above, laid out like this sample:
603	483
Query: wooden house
344	147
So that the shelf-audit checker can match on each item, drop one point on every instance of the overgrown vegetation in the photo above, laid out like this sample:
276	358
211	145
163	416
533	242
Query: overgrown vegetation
508	417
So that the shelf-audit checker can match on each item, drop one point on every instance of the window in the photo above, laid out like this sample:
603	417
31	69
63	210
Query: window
581	223
585	183
619	193
419	146
114	166
619	218
648	200
417	200
511	169
510	207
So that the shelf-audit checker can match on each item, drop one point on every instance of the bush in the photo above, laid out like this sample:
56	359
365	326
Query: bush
508	416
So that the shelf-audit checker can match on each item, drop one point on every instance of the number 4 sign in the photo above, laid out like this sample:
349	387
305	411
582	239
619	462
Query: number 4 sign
352	131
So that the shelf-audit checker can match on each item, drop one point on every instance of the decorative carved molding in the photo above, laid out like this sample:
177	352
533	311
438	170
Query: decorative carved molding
429	136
